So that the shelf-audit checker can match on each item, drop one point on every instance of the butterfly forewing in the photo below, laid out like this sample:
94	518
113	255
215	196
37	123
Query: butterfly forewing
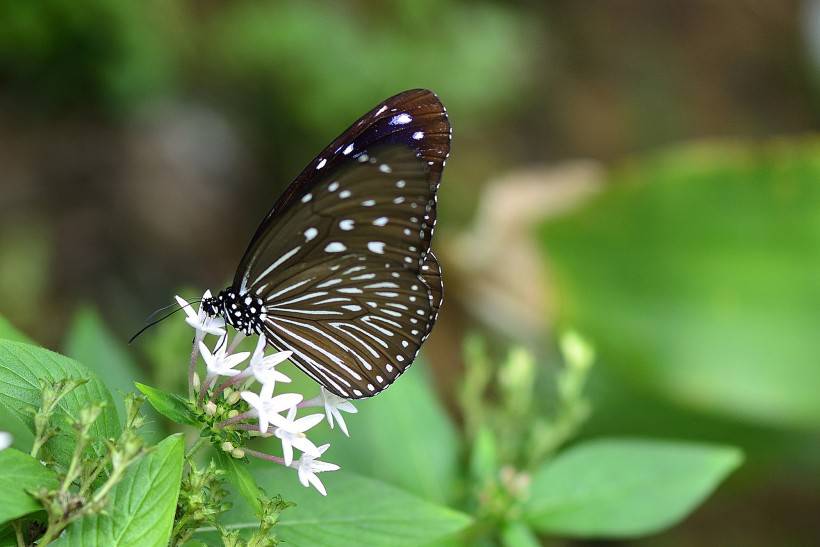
342	262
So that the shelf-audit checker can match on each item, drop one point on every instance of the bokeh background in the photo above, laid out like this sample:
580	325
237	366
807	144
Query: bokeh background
643	171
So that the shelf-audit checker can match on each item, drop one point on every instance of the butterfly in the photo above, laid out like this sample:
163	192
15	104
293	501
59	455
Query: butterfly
340	270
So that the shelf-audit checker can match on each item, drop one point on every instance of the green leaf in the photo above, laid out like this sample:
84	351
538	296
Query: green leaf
23	437
170	405
89	342
241	478
22	366
403	437
10	332
20	473
695	274
357	511
518	534
142	506
625	488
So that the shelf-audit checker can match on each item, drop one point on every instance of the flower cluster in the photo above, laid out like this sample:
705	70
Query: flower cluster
240	386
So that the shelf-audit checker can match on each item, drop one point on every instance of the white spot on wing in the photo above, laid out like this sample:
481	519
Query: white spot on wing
333	186
335	247
418	135
348	150
401	119
306	198
311	233
381	221
346	224
321	164
376	246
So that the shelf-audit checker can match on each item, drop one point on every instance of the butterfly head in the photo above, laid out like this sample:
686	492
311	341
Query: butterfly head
243	312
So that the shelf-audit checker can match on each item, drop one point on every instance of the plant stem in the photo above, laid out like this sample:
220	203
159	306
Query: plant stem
18	532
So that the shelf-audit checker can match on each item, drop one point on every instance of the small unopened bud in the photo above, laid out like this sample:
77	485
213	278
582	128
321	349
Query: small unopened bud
196	382
210	408
233	399
233	413
227	392
238	453
227	446
578	353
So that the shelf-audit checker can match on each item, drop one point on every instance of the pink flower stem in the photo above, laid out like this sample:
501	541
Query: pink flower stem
236	341
236	419
226	384
192	365
206	383
263	456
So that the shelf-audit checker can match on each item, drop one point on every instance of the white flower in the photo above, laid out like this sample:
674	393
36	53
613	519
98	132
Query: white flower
220	363
333	405
264	368
267	408
199	320
307	467
5	440
292	434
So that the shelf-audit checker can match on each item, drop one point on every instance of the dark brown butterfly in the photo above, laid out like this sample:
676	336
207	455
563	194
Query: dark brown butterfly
340	271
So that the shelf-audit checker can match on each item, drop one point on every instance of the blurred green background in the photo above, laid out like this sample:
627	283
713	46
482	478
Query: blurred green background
643	171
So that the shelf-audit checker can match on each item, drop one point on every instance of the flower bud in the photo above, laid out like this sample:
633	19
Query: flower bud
238	453
233	413
196	382
210	408
227	446
234	398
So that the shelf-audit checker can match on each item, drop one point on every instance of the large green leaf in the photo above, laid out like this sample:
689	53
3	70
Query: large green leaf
698	275
89	342
20	473
403	437
625	488
357	511
23	437
142	506
22	366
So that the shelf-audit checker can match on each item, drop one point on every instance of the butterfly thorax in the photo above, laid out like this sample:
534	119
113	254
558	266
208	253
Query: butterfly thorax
243	312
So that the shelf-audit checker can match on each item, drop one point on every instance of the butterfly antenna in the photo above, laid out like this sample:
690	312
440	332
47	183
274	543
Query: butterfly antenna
150	321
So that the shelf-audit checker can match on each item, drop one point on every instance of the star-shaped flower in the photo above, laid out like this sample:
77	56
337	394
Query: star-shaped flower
267	408
220	363
307	466
333	406
199	320
264	368
5	440
292	435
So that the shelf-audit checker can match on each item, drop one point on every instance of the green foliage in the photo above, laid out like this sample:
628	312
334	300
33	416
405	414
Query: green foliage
22	369
89	342
358	512
243	482
20	474
170	405
404	437
695	272
625	488
111	53
142	504
12	423
272	49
